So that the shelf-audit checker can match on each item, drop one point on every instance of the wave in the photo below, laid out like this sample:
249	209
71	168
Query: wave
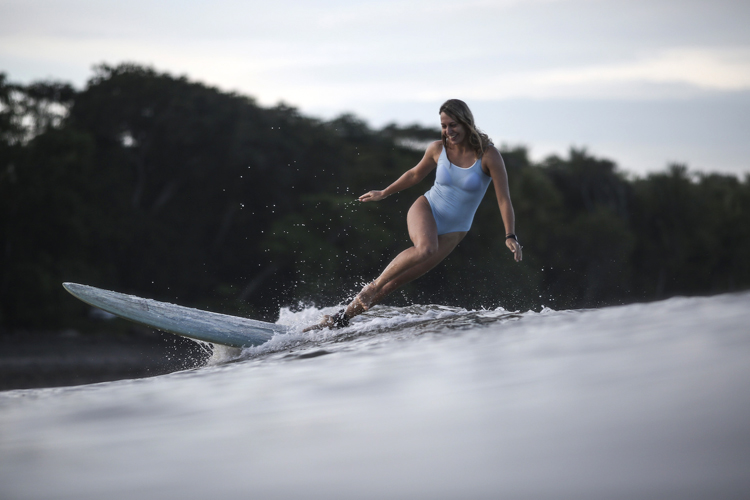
379	325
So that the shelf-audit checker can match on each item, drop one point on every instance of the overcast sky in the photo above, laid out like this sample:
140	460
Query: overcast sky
644	83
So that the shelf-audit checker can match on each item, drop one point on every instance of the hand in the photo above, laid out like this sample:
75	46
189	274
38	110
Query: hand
372	196
516	248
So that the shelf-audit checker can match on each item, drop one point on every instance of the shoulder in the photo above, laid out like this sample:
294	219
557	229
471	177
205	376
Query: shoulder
434	150
435	147
492	161
492	157
491	153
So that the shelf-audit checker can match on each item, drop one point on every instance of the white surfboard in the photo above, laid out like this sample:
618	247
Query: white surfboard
207	326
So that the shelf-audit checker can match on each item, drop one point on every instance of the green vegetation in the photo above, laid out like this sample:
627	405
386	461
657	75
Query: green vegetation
155	185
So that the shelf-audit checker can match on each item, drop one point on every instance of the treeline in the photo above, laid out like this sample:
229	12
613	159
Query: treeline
151	184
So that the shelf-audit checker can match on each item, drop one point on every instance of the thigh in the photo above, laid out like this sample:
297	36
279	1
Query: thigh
421	224
446	244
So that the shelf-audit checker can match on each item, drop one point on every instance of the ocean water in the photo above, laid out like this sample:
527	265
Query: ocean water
646	401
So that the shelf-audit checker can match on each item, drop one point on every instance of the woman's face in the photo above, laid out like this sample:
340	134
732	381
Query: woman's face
452	129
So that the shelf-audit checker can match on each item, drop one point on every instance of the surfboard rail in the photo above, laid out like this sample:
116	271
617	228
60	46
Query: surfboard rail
224	329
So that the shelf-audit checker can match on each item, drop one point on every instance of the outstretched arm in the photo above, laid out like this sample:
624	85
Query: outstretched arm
410	177
495	164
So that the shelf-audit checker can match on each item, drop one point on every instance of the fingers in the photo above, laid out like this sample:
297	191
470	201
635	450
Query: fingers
370	196
516	248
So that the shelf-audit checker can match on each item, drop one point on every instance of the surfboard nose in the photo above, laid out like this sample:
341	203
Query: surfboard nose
193	323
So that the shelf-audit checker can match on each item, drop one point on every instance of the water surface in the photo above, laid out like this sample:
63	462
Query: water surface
639	401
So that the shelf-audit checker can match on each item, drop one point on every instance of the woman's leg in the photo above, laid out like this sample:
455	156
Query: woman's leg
428	251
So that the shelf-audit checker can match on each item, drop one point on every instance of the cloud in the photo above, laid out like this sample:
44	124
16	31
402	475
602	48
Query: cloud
373	56
658	75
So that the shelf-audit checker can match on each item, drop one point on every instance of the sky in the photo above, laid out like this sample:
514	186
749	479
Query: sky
644	83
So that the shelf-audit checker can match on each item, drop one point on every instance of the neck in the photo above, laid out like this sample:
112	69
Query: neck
461	148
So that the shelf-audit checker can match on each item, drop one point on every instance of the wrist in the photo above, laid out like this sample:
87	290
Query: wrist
511	236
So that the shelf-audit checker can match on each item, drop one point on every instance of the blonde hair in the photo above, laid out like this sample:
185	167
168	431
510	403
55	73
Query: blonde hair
459	111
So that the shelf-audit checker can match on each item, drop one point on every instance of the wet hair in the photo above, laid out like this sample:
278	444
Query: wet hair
459	111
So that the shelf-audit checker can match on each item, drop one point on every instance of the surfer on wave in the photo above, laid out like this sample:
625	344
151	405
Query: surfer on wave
466	163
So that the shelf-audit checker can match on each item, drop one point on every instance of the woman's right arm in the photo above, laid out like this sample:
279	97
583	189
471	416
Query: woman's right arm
410	177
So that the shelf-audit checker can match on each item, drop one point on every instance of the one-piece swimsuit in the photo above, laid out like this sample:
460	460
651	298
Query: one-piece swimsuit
456	194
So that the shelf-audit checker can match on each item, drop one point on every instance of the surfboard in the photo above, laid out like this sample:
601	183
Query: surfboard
196	324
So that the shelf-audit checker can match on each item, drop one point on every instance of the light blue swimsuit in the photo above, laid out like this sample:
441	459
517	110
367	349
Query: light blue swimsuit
456	194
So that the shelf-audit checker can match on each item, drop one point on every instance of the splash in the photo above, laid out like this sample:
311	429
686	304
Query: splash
379	325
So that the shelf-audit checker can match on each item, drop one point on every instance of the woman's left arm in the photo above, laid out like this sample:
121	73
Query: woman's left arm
496	166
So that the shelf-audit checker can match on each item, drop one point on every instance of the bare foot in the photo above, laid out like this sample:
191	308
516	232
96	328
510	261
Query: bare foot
360	304
338	320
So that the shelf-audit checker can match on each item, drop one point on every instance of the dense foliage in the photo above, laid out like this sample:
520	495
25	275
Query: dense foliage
155	185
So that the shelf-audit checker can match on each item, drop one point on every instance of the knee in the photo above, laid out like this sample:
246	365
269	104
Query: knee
424	252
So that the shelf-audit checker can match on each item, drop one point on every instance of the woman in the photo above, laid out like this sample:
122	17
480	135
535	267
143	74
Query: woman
466	162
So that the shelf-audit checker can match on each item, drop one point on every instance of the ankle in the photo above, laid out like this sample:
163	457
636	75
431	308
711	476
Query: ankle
340	319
